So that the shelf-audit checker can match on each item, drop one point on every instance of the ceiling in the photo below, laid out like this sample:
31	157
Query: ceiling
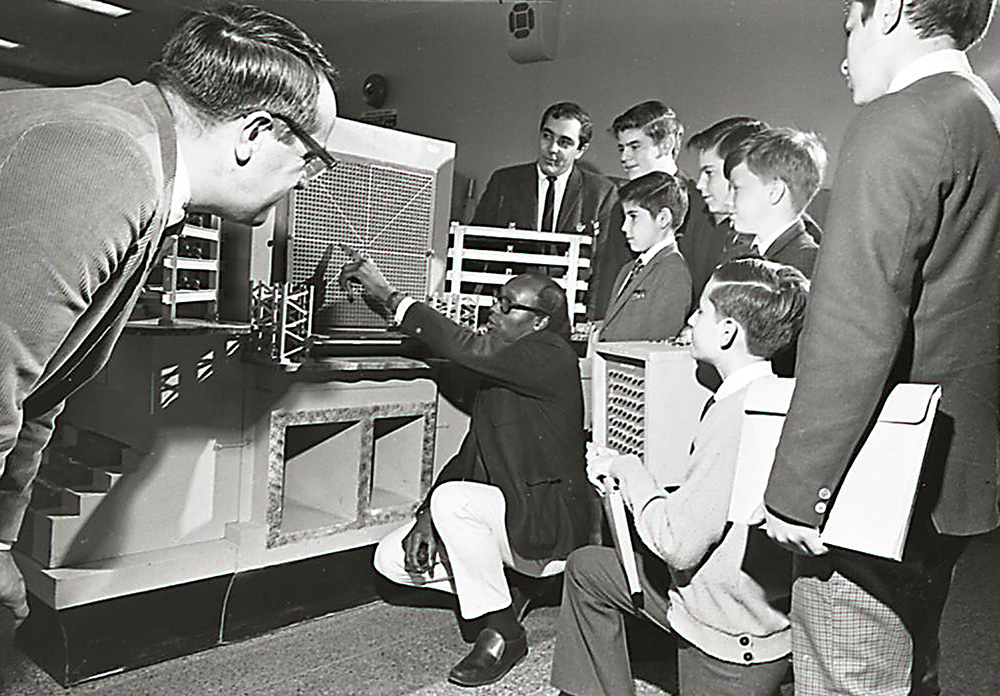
66	45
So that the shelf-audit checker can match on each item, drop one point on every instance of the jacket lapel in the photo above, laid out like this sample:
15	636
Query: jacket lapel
569	211
785	238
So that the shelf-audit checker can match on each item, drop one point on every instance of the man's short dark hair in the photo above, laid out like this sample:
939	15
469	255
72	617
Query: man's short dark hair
551	299
229	61
767	299
965	21
795	157
655	119
562	110
655	191
725	135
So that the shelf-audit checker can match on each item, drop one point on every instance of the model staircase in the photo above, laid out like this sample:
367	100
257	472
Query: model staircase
76	474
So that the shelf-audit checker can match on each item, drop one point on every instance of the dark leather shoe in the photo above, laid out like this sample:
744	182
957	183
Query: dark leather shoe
490	659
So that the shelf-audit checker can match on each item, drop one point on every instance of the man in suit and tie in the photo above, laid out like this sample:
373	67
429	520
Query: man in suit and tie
649	139
774	174
653	293
905	289
552	194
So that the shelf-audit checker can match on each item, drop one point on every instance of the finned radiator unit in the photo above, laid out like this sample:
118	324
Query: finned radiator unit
647	401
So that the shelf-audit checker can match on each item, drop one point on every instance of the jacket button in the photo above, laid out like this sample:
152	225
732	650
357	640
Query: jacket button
748	657
419	330
744	641
820	508
824	493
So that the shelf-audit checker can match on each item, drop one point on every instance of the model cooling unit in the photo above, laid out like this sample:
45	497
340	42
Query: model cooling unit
647	401
388	198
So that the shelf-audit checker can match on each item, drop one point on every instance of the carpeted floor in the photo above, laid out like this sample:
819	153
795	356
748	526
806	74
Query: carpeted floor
385	649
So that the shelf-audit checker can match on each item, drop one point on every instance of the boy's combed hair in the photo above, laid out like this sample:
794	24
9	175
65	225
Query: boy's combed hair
654	192
655	119
235	59
725	135
965	21
793	156
767	299
561	110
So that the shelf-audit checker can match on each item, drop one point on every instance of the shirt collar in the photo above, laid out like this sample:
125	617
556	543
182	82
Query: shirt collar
764	242
947	60
182	192
647	256
560	180
742	377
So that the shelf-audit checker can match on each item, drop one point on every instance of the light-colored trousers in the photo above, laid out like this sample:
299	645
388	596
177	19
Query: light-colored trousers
469	519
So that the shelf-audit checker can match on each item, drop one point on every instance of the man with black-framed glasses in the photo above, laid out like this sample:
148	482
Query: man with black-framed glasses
91	177
317	158
516	495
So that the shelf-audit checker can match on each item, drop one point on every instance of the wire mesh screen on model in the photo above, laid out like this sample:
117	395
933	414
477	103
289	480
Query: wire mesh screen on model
382	211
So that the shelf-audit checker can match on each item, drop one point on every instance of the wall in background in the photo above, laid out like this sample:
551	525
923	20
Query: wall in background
450	76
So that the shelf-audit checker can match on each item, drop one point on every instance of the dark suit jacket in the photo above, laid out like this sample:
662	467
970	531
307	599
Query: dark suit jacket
655	304
526	432
906	288
511	196
85	186
700	240
794	247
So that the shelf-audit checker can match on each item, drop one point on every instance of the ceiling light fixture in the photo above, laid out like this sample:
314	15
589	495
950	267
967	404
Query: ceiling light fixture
4	43
104	8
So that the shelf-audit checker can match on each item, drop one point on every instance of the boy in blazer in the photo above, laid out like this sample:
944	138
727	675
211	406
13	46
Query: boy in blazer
905	289
774	174
652	294
649	138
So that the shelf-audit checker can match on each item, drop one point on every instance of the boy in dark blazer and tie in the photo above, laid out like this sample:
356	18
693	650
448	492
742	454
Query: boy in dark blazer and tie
905	289
652	294
774	174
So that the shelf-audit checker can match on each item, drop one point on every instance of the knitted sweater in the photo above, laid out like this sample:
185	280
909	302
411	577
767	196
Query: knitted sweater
85	181
722	597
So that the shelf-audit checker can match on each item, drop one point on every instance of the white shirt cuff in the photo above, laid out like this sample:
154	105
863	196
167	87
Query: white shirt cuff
404	304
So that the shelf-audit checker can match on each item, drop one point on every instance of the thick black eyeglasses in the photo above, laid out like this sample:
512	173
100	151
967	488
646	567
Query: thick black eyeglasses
319	159
504	304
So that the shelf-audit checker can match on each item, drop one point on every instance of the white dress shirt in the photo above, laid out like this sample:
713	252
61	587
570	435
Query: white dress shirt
763	242
742	377
947	60
543	184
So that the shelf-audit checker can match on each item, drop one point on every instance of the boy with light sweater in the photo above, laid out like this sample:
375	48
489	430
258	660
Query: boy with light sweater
727	584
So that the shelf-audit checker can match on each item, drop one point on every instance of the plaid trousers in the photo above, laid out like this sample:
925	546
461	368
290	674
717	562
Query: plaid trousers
866	626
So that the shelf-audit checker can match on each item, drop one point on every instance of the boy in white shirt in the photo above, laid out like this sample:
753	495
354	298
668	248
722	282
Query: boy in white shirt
727	586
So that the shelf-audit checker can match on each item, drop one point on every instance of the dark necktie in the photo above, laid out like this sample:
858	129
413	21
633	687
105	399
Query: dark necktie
740	245
704	411
630	276
708	404
548	224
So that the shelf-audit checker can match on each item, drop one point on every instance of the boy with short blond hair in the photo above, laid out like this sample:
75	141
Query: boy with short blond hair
774	174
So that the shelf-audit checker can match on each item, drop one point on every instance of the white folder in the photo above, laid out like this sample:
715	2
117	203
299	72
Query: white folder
622	537
871	510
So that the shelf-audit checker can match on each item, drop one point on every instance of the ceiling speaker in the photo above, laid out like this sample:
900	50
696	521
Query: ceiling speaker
532	30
